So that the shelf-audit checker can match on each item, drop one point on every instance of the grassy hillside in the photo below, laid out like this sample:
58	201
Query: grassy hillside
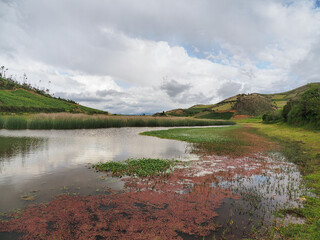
243	104
17	98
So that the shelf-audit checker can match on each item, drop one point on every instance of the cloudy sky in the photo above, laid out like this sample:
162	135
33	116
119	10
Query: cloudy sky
145	56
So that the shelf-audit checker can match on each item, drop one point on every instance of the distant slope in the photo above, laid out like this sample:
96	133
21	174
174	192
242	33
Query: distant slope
17	98
249	104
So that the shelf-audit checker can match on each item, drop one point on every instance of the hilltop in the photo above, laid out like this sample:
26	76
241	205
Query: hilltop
23	98
254	104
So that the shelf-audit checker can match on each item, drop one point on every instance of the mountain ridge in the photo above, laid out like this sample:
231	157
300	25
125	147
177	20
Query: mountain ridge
253	104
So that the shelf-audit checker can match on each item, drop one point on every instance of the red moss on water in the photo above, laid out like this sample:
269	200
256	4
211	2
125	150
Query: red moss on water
132	215
161	207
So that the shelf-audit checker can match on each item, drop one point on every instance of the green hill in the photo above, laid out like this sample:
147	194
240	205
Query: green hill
242	104
23	98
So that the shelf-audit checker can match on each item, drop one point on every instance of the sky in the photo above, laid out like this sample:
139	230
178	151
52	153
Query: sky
147	56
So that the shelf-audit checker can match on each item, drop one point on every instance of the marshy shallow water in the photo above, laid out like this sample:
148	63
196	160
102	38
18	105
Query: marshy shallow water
239	194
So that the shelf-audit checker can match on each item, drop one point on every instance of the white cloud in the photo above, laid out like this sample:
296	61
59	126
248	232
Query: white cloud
125	48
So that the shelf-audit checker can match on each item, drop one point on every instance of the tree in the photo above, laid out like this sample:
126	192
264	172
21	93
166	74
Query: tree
306	110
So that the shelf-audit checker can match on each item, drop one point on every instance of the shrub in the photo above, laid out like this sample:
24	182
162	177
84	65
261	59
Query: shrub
272	117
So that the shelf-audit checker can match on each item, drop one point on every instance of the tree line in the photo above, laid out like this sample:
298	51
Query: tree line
304	111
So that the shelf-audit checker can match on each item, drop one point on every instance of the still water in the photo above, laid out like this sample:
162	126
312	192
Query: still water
45	163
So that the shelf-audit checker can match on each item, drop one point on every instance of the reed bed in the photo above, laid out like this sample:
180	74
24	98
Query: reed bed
82	121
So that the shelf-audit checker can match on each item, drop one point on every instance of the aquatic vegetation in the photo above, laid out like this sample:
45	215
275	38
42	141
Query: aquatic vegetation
82	121
28	197
15	123
144	167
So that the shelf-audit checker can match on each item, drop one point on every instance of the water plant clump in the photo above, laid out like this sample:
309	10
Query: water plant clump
28	197
143	167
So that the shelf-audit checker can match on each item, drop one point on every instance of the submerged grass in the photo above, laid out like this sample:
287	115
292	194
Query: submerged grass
302	147
143	167
81	121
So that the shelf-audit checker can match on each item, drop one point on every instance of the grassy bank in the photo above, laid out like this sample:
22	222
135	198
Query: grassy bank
82	121
143	167
234	140
302	147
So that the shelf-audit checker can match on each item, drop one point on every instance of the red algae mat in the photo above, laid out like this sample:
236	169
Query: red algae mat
184	202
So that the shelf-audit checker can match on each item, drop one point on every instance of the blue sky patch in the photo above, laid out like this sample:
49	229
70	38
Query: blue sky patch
264	65
123	85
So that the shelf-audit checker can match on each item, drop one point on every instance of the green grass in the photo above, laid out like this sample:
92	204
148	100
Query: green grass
201	106
226	106
89	122
309	230
16	98
21	100
143	167
308	139
220	141
257	119
217	115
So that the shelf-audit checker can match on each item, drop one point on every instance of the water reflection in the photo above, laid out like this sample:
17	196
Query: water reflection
46	162
12	146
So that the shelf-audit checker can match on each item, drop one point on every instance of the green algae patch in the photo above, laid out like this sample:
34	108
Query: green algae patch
143	167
